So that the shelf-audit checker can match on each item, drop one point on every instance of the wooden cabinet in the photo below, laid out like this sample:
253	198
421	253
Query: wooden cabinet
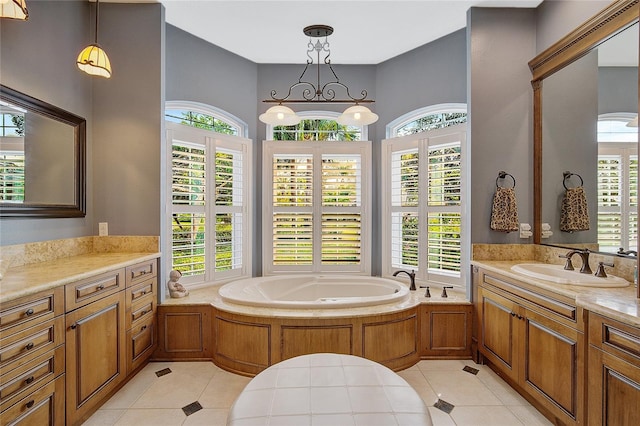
141	306
535	340
96	362
614	372
32	349
184	333
445	331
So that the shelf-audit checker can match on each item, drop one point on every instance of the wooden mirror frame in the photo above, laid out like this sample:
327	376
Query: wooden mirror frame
607	23
78	124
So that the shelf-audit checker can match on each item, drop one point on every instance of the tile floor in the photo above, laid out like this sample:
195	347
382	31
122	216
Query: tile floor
151	399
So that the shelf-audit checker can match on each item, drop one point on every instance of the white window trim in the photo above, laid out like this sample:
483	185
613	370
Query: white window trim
241	126
318	148
212	140
318	115
403	120
422	142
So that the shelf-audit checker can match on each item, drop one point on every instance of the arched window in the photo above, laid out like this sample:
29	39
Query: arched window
422	186
208	191
617	182
317	126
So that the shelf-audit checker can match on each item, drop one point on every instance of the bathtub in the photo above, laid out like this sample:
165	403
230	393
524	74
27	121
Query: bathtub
314	291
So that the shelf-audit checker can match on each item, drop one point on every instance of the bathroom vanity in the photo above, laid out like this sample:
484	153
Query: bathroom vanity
72	331
572	351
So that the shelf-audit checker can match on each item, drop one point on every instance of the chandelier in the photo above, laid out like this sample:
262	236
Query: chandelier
316	91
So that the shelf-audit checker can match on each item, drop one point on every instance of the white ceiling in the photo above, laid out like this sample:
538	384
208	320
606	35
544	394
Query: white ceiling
365	32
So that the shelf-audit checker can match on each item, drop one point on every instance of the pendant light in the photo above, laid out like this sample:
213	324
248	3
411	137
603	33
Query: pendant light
93	60
357	115
14	9
280	115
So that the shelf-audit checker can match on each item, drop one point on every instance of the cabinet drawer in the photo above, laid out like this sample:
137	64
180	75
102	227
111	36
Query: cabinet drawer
86	291
28	311
142	309
44	406
141	290
615	337
32	341
141	271
16	382
141	341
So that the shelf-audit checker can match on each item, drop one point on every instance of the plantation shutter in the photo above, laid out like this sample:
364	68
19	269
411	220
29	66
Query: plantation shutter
12	177
404	208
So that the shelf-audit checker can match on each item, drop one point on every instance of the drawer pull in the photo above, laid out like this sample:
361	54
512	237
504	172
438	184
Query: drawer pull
513	314
143	292
143	313
143	328
29	346
28	312
74	326
100	287
30	403
29	380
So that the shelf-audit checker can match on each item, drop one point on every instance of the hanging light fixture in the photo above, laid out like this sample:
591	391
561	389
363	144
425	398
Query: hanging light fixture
14	9
93	60
633	123
318	92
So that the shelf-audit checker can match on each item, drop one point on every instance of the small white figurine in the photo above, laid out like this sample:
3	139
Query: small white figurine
176	289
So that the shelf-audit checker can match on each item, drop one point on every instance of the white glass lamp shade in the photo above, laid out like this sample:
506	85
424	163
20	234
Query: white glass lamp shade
633	123
93	60
357	115
280	115
14	9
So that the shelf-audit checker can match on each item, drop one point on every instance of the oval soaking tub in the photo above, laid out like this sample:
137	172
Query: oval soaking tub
314	291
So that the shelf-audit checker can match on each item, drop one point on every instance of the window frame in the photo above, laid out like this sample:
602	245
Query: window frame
317	149
317	115
210	141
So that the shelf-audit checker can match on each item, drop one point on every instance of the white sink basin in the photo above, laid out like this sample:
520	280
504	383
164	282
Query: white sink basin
557	274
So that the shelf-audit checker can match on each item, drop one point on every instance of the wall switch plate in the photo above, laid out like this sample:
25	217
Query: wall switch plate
103	229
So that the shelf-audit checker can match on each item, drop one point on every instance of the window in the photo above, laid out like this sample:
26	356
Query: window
617	183
210	225
317	126
316	215
422	191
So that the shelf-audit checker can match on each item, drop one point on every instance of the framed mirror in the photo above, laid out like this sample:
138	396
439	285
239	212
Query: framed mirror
585	90
42	159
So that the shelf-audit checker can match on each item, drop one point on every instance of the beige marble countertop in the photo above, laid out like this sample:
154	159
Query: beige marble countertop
209	296
617	303
30	279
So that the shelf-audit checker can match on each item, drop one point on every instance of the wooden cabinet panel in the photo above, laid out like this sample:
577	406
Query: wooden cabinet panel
446	331
141	341
31	342
28	311
45	406
302	340
81	293
243	342
96	361
399	337
184	332
141	271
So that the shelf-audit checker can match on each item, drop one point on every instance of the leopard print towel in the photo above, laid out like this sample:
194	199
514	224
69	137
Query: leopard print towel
504	211
574	214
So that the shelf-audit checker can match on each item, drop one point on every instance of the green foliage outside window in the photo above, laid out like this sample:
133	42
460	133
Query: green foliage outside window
316	130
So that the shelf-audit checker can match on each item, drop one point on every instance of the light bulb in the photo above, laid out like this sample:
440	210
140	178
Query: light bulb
356	116
280	116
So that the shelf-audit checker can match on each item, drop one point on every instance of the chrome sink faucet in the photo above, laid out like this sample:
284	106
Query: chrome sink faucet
411	275
584	255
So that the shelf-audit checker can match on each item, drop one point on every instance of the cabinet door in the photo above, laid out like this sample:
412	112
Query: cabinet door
96	353
553	364
499	331
446	331
614	390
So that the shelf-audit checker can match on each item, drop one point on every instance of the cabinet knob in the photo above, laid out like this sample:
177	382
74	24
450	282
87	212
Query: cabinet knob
143	328
513	314
30	403
100	287
28	312
74	326
29	346
29	380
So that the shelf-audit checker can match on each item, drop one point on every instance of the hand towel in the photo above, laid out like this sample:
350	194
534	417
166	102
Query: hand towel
574	214
504	211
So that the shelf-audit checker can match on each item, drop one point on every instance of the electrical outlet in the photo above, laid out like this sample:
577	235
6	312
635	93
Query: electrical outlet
103	229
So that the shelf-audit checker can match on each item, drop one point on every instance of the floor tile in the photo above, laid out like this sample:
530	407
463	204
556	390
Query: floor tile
207	417
460	388
104	417
156	417
529	415
484	416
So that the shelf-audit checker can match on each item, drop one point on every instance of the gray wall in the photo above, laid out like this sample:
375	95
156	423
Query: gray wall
124	113
617	89
38	57
500	44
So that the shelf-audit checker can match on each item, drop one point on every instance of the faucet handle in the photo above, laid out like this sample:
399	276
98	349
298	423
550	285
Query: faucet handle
600	272
568	266
427	293
444	291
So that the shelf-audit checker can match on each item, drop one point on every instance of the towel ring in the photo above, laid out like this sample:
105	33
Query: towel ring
567	175
501	175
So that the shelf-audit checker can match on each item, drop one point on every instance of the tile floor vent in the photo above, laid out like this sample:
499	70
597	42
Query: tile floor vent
471	370
163	372
192	408
443	405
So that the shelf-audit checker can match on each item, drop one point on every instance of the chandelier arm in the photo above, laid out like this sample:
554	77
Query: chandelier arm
308	94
